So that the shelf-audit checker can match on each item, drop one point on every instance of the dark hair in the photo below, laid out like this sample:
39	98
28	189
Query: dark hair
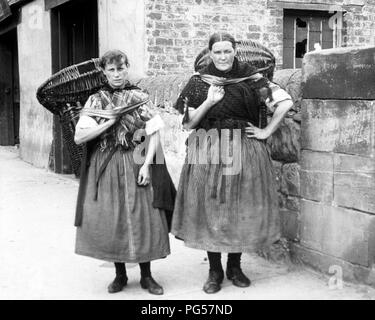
221	36
113	56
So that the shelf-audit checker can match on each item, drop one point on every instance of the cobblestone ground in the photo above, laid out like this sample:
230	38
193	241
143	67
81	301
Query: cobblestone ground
38	261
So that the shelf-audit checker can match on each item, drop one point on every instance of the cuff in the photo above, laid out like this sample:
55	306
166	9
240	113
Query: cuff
154	124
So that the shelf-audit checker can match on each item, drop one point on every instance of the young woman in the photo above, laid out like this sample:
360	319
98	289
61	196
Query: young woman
116	216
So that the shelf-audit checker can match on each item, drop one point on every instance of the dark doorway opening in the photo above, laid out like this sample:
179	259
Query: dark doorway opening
74	28
9	89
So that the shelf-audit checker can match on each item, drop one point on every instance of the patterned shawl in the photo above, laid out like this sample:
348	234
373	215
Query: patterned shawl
128	105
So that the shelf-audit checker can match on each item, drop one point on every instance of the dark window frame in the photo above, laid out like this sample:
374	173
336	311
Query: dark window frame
289	61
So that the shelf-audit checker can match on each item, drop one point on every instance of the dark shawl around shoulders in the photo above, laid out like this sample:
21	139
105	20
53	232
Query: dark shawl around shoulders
241	101
239	70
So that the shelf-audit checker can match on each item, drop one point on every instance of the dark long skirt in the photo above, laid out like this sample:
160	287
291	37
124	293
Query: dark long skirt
121	225
228	213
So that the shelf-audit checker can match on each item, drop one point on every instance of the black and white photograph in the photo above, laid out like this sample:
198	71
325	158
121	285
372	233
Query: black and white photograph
200	151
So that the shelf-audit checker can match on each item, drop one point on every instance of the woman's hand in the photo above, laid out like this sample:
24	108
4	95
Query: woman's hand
257	133
215	94
144	175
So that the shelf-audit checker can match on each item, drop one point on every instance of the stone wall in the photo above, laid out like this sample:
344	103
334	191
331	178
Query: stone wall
164	91
177	31
285	151
337	161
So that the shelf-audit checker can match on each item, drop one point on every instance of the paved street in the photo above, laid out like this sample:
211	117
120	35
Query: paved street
37	259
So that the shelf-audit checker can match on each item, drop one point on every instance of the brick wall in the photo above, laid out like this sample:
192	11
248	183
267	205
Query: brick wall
176	31
359	25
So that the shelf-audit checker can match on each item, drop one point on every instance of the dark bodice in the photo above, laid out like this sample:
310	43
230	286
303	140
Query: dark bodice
241	102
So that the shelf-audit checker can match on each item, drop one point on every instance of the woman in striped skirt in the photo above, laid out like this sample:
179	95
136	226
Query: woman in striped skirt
228	206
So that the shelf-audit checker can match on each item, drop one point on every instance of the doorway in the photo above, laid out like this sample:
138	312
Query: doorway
9	89
74	27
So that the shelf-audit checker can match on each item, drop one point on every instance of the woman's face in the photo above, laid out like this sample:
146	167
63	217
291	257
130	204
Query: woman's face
116	74
222	55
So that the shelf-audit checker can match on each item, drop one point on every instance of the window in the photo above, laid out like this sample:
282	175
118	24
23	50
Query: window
306	31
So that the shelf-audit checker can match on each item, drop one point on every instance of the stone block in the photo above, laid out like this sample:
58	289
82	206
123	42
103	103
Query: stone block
354	182
293	203
277	170
344	126
281	200
327	264
290	224
291	179
316	176
342	233
340	73
284	144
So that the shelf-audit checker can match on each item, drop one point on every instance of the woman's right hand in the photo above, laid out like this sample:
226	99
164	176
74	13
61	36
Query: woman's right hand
215	94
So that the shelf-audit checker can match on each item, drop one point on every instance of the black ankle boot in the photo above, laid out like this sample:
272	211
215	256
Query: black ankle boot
213	283
118	283
238	277
153	287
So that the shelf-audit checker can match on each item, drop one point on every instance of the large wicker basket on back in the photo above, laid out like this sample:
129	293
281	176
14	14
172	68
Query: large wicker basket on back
251	52
69	85
65	92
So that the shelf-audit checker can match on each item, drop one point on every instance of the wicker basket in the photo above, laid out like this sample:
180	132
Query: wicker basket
68	121
251	52
64	93
69	85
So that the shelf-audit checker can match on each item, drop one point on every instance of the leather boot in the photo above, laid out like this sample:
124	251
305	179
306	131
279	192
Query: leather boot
152	286
238	277
213	283
118	284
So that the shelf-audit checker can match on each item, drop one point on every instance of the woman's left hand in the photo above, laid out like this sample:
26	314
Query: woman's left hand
144	176
255	132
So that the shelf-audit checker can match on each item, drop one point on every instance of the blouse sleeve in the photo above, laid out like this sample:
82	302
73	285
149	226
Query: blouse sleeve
153	120
276	96
93	102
